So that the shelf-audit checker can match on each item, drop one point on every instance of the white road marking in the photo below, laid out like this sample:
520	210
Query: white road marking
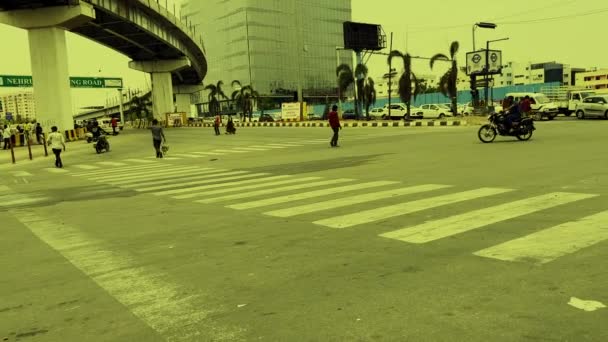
188	155
163	305
352	200
213	186
142	161
253	149
119	170
586	305
210	153
285	145
86	167
164	179
307	195
111	163
236	186
274	190
148	175
214	179
230	151
20	173
169	158
271	147
16	199
377	214
140	172
56	170
549	244
438	229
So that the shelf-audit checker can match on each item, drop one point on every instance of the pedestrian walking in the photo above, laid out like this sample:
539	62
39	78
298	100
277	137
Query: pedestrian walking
38	131
6	136
334	123
114	123
57	143
158	137
216	124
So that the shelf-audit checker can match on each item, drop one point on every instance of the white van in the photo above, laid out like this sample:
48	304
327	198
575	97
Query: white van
542	106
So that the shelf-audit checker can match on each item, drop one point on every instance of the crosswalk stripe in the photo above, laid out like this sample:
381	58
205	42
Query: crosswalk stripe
169	158
111	163
86	167
204	187
549	244
252	149
438	229
163	179
352	200
146	175
273	190
119	170
141	161
400	209
285	145
56	170
209	153
235	186
271	147
23	200
20	173
193	156
307	195
233	175
230	151
139	172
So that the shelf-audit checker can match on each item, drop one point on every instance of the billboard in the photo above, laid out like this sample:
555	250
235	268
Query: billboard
476	62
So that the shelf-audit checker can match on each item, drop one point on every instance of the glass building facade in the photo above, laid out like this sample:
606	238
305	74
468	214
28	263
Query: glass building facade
271	44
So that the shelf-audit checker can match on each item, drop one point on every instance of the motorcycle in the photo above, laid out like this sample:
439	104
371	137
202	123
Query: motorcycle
522	130
101	144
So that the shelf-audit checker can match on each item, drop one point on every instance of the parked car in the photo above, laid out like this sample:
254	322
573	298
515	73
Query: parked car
542	107
349	114
378	113
593	106
398	111
435	111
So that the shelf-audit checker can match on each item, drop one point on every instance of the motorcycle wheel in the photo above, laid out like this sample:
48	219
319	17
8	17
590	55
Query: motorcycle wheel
98	150
524	134
487	134
108	147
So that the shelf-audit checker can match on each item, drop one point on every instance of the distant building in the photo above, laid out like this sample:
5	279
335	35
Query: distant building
382	83
595	79
19	104
272	45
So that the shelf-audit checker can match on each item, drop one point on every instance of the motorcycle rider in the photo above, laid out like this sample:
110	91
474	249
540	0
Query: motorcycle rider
512	114
96	131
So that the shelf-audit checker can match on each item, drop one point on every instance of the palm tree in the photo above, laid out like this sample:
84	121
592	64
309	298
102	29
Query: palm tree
346	77
215	94
140	108
245	98
409	86
448	84
369	95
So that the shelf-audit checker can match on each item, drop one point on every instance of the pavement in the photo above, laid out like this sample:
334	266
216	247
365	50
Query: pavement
400	234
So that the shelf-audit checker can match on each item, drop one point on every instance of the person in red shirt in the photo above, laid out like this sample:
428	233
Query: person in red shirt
334	123
216	124
114	123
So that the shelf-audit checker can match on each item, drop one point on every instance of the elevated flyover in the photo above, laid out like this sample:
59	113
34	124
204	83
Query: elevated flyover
154	38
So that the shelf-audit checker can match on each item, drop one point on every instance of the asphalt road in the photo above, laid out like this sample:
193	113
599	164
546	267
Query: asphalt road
400	234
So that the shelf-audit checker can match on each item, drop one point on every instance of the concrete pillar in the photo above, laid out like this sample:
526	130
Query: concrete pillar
182	103
51	84
162	86
49	57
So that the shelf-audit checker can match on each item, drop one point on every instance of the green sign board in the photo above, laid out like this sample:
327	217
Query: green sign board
75	82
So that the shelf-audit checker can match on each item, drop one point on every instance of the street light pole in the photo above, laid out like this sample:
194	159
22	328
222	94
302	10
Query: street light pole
488	67
482	25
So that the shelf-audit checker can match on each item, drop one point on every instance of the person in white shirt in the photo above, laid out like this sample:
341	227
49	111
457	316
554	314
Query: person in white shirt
6	135
57	142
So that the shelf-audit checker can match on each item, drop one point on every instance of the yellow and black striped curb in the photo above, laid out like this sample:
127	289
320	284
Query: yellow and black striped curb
344	124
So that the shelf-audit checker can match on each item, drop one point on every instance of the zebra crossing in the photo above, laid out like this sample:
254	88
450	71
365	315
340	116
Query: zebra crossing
347	203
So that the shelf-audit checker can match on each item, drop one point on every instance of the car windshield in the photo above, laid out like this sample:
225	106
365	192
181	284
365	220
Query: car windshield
587	94
540	99
605	97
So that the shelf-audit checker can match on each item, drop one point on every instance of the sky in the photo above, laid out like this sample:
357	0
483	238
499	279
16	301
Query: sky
566	31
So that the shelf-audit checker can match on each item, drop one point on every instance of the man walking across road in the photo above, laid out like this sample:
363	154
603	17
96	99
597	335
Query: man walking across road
6	136
57	143
158	137
216	124
114	125
334	123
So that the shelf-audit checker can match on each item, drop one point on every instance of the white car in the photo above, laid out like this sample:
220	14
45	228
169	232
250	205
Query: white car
593	106
399	111
435	111
378	113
